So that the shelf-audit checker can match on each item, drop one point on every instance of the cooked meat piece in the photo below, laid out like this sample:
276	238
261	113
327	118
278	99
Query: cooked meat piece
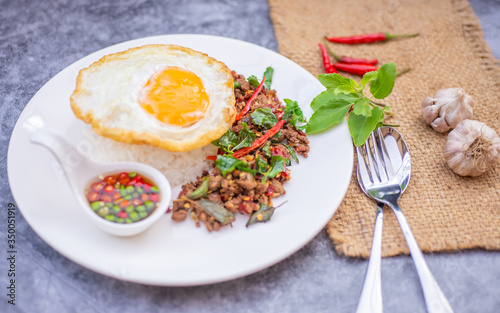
277	187
214	182
215	197
296	139
233	204
247	181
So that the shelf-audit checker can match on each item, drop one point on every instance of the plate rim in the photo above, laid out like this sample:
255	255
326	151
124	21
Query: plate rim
133	42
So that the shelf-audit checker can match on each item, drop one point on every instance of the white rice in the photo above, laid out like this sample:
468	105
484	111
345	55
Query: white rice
178	167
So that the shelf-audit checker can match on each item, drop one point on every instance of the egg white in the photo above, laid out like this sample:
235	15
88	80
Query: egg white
107	93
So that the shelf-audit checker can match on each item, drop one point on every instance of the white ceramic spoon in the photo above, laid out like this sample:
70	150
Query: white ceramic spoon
81	172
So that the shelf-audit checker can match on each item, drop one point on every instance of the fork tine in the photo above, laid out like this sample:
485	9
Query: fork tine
383	155
373	160
363	158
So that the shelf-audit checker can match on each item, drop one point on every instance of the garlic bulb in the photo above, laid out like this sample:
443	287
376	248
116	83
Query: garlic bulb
448	108
472	147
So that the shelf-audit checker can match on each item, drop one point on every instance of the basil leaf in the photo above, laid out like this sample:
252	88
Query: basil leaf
368	77
201	191
264	117
261	165
360	126
236	85
382	86
328	115
269	77
226	141
266	149
217	211
277	166
293	114
321	99
227	163
263	215
245	137
336	83
362	107
254	81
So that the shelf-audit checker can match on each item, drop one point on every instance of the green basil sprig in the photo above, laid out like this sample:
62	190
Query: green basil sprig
341	94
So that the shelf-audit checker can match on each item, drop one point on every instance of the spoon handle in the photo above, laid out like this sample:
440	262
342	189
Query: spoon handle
370	300
435	300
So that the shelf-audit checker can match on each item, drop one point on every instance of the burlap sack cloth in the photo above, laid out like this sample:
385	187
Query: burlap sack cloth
445	211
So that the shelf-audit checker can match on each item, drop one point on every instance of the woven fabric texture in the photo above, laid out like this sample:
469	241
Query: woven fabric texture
446	212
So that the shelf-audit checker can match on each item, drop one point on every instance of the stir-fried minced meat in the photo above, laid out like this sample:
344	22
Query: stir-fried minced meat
214	198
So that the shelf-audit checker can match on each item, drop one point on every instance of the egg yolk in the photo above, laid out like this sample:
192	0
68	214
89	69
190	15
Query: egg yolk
175	96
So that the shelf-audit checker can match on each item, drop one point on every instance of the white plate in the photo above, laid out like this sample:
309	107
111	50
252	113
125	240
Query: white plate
179	254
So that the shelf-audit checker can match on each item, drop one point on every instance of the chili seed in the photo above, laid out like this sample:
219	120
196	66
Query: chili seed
136	202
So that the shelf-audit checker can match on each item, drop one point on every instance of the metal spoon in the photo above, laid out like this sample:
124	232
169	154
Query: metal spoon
371	294
384	185
80	171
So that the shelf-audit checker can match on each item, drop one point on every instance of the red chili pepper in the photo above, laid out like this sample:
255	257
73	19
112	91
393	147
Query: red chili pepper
93	196
270	191
259	142
109	189
154	197
249	102
211	157
356	69
367	38
98	186
349	60
326	60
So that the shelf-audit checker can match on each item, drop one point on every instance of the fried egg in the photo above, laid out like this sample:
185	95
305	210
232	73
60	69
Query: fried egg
167	96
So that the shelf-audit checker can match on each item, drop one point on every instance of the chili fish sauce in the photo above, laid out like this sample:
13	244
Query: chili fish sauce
123	198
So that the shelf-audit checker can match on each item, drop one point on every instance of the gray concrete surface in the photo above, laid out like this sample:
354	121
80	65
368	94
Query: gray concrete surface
40	38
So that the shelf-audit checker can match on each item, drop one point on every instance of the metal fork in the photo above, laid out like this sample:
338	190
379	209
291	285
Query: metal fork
383	185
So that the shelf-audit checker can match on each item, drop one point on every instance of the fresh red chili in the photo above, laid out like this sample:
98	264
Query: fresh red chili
259	142
356	69
249	102
326	60
349	60
367	38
